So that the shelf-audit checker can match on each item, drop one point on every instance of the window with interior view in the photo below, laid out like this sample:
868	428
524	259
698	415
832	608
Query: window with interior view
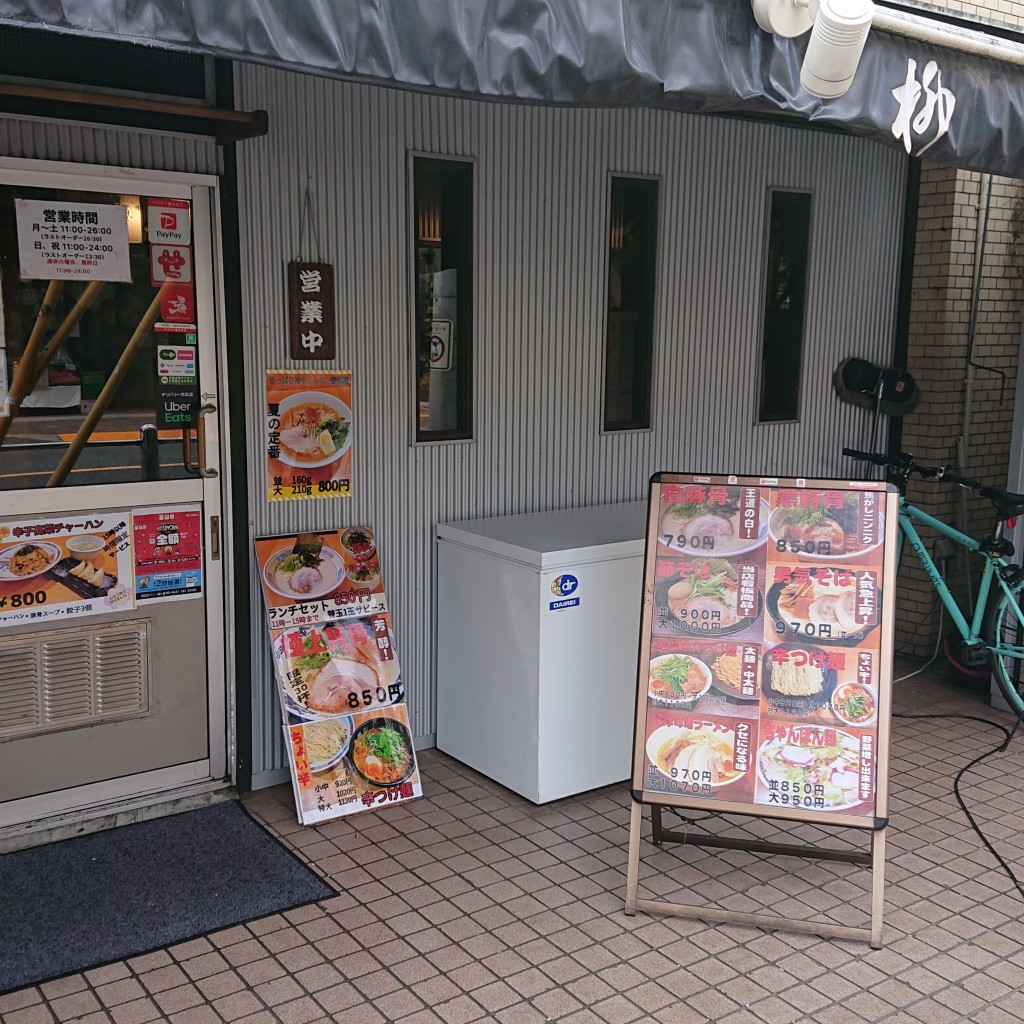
92	327
629	336
789	234
443	201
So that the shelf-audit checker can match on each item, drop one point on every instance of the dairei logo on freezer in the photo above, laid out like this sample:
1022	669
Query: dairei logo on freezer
564	585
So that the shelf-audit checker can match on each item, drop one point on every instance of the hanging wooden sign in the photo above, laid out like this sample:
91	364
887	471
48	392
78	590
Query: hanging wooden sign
765	662
311	310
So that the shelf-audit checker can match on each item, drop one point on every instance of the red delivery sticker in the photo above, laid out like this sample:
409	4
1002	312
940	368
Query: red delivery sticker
178	304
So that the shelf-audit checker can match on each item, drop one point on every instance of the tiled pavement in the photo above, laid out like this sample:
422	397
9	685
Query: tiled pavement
474	905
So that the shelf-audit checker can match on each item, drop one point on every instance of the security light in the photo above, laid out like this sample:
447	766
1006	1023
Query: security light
839	29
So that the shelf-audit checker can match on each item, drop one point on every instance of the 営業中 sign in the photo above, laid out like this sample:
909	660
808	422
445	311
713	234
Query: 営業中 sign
311	310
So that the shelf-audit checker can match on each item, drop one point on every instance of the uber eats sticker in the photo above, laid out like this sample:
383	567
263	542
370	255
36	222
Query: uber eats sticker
564	588
177	380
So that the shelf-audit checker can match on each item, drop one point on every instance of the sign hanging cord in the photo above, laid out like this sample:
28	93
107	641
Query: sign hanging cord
307	214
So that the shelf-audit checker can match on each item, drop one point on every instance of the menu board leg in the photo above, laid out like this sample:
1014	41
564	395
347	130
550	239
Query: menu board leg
633	866
877	886
875	860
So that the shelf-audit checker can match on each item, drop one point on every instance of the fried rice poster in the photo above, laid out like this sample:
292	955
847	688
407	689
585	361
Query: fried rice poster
65	567
308	434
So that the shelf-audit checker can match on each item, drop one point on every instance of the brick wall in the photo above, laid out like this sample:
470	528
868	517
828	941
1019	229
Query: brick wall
1004	11
944	266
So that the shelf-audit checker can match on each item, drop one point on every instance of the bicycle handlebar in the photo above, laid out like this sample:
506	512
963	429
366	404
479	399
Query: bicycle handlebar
905	464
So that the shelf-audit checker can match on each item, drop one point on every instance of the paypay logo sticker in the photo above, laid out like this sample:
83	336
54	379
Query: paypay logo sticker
564	588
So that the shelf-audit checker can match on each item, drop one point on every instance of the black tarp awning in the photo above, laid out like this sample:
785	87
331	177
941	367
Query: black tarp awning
695	55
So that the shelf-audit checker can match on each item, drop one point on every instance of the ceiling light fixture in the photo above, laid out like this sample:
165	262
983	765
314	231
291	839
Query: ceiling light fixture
839	29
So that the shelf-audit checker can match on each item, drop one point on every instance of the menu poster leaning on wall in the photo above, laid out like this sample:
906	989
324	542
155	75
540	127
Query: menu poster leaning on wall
765	664
308	438
339	681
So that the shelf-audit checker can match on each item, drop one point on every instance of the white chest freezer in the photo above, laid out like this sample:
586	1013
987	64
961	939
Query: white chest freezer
538	633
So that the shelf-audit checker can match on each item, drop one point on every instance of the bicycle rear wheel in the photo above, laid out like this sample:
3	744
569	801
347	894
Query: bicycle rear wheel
1004	633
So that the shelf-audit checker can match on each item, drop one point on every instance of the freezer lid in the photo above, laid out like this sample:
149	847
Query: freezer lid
555	540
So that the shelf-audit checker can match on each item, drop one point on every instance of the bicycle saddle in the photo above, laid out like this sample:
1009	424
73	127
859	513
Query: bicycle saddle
1007	504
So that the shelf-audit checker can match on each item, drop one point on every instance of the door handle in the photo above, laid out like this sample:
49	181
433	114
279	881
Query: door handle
204	411
186	452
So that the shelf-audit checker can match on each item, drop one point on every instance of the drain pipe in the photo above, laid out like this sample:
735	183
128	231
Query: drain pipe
964	440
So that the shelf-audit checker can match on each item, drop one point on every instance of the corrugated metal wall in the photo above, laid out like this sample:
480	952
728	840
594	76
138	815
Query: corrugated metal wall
541	248
94	144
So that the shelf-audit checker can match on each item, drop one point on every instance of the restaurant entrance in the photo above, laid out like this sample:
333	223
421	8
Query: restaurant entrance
111	575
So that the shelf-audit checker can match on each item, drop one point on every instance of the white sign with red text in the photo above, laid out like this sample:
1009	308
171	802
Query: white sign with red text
84	241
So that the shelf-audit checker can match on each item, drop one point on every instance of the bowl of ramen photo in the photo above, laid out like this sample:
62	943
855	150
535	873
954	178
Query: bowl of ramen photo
854	704
315	430
301	574
381	752
822	604
702	599
327	742
843	533
831	771
24	561
678	680
710	528
694	757
324	683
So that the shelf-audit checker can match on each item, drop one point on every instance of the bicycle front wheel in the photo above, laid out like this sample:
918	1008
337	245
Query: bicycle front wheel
1004	634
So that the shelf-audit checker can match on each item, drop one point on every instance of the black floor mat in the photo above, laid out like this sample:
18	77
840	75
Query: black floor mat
110	895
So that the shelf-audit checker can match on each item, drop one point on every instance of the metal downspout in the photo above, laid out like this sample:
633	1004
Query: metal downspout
964	440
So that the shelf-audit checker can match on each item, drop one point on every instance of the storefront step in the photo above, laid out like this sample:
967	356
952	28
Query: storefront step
126	812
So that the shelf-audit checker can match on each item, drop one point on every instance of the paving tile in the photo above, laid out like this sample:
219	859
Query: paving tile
223	984
139	1011
37	1013
196	1015
77	1004
398	1004
117	992
103	975
63	986
303	1010
183	997
237	1005
281	990
460	1010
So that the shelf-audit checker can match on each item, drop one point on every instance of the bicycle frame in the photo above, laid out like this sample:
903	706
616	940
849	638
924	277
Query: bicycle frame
970	631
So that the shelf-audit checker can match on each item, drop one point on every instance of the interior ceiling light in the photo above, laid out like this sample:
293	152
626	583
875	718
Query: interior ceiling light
839	29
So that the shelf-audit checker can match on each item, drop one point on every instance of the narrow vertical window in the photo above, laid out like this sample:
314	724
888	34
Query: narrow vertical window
443	201
629	337
789	234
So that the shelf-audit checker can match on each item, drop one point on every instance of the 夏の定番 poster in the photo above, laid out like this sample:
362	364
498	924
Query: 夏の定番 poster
309	434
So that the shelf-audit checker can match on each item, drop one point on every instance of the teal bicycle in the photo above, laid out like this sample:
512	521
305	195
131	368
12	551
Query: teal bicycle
994	634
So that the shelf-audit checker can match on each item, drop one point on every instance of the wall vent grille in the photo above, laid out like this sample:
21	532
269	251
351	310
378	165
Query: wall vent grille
74	677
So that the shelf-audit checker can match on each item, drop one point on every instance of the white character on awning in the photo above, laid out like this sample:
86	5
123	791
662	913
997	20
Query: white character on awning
939	101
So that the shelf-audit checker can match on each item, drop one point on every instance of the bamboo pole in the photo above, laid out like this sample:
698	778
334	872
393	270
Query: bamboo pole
60	474
85	300
26	365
